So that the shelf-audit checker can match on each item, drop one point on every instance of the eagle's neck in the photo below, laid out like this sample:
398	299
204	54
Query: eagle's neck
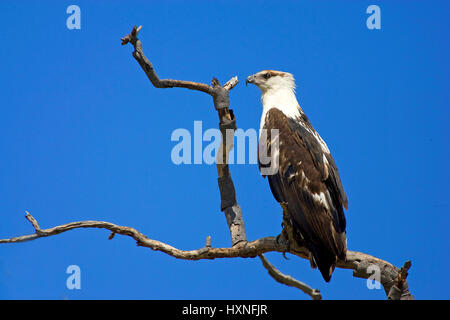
282	98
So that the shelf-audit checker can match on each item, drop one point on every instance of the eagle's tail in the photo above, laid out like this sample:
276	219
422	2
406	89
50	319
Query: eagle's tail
325	258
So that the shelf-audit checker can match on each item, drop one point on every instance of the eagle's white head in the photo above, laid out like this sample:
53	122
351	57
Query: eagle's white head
267	80
277	91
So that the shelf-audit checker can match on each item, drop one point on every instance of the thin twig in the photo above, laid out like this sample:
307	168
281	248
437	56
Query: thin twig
288	280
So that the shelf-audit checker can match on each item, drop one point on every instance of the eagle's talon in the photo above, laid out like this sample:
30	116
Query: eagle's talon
278	239
281	239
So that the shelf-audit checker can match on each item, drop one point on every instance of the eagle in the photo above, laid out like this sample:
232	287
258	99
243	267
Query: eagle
306	181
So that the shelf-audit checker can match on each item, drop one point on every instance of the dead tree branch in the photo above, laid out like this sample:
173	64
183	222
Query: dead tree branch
356	261
288	280
147	66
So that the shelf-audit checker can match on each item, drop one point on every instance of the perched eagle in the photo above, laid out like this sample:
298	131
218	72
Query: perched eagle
307	180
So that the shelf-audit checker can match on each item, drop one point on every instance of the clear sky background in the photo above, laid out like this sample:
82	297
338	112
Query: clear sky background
85	136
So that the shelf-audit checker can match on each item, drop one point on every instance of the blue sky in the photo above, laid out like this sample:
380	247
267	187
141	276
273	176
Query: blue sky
84	136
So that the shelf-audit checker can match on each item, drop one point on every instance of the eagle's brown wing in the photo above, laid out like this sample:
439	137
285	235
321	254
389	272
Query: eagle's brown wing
308	181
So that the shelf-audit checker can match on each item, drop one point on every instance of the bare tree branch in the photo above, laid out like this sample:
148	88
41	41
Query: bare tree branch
249	250
288	280
356	261
147	66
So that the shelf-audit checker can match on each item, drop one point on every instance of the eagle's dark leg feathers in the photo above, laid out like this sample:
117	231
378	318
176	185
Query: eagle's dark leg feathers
289	237
286	225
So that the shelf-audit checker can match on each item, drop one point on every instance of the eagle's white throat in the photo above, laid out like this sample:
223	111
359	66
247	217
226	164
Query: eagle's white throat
279	92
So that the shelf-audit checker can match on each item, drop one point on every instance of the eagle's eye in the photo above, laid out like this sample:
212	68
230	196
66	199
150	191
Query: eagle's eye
267	75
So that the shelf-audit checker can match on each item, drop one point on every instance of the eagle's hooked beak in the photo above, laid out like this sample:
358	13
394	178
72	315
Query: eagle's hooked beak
250	79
